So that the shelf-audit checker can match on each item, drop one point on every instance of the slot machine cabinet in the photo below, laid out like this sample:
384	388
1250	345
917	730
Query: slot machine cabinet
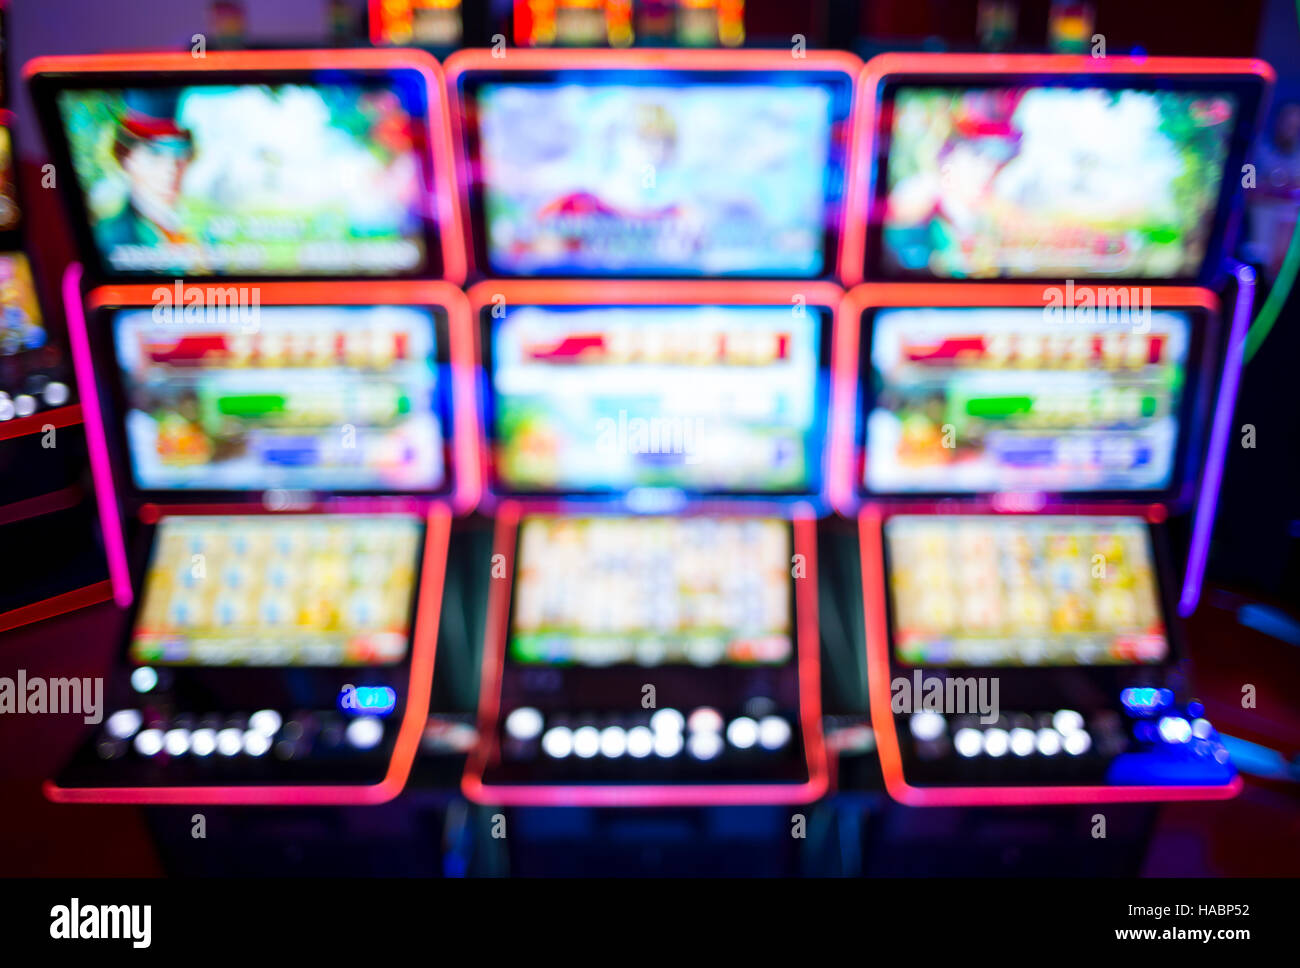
205	706
560	242
574	626
302	424
46	509
1060	440
1001	560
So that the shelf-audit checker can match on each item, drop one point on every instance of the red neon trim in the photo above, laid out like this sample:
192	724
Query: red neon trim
424	643
844	488
645	58
883	65
943	294
882	719
461	352
36	423
101	591
666	59
447	201
809	672
563	292
48	503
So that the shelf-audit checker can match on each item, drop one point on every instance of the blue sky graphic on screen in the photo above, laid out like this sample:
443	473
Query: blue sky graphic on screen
608	179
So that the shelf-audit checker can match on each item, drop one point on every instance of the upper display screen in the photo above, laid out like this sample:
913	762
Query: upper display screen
983	400
325	179
971	590
1061	182
706	399
294	590
346	398
706	179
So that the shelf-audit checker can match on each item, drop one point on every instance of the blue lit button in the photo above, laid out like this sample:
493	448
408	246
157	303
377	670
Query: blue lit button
367	700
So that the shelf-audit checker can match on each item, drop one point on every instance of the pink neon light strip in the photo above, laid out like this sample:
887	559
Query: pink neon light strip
1207	501
110	518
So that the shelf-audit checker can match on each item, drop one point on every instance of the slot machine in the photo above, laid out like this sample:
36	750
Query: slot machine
429	24
658	231
1032	389
278	448
54	562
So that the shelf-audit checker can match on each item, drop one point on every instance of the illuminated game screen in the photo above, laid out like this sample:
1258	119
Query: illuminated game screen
596	178
708	399
1052	181
984	400
1032	591
10	214
293	590
650	591
343	398
252	179
21	325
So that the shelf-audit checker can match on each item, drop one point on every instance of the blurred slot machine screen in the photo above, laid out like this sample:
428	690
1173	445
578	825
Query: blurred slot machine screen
280	172
296	590
1041	590
314	398
721	400
22	327
706	604
10	211
422	23
979	401
657	173
599	591
1056	175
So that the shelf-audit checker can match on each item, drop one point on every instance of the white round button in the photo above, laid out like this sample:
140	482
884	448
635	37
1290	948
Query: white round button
55	393
586	741
640	742
177	742
203	742
773	732
613	742
524	723
124	723
364	732
149	742
265	721
742	733
968	742
558	742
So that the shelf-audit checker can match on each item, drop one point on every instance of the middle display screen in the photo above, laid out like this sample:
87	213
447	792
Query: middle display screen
314	397
965	400
603	399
